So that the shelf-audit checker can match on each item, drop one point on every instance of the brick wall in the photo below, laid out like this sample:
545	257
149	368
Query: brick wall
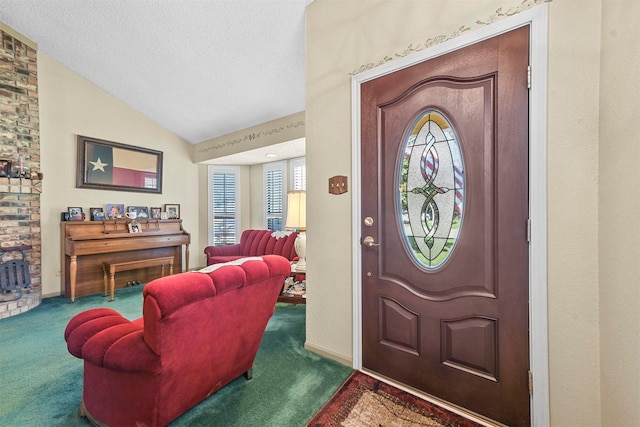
20	144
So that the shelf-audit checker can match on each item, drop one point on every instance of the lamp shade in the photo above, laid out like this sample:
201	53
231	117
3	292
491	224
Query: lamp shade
297	210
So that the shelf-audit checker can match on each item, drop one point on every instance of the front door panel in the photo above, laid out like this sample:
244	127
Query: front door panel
445	277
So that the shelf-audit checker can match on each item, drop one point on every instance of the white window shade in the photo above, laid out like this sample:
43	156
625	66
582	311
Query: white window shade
224	208
274	191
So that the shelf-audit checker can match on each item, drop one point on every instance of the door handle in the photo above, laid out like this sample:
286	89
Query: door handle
369	241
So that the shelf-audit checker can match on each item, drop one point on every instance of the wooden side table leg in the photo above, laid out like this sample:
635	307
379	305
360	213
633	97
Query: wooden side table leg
73	270
162	270
170	267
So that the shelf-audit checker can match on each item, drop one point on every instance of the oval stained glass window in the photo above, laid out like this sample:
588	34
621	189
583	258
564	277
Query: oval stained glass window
431	190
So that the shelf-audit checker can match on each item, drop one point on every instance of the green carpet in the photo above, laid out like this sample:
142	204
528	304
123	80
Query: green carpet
41	383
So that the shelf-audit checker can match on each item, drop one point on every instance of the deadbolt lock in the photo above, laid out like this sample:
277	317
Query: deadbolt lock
368	221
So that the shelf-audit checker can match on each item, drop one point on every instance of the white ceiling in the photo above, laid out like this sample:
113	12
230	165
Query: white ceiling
200	68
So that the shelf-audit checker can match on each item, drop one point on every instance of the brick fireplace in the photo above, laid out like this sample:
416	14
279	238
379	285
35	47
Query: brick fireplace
20	180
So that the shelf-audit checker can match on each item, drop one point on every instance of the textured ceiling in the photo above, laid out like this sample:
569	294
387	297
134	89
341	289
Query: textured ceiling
200	68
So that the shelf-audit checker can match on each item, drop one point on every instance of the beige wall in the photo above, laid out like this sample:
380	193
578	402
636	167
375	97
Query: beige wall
589	326
257	197
619	209
70	106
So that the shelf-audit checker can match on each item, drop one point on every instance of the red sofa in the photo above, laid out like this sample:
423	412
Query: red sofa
199	331
255	243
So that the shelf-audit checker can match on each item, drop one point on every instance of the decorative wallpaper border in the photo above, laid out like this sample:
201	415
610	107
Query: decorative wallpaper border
251	136
432	41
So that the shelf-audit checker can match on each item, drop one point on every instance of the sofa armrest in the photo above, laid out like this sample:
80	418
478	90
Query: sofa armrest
104	338
226	250
86	324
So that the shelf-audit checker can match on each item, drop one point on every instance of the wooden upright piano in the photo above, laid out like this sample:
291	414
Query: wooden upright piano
85	245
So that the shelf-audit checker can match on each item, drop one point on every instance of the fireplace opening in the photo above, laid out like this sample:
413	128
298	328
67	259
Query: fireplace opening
14	274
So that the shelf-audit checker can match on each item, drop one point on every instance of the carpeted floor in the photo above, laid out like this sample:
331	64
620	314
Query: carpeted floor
41	383
365	401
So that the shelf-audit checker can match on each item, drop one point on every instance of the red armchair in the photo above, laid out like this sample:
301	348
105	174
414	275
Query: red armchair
255	243
199	331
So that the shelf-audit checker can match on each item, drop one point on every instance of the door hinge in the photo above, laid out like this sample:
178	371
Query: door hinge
530	383
528	230
529	77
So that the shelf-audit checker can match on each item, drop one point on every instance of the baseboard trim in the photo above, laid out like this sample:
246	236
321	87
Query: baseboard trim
328	354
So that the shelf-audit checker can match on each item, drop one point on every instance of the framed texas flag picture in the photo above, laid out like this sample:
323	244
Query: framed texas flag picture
107	165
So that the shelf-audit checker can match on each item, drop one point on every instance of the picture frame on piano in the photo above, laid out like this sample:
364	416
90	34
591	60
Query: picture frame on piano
96	214
134	227
156	212
140	211
172	210
75	213
115	210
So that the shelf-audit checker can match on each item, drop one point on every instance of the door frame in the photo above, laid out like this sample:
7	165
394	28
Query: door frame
537	18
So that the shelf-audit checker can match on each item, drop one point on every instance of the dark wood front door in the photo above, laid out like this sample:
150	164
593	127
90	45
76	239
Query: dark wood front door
444	227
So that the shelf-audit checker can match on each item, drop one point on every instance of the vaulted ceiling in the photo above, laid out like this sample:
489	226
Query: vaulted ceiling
200	68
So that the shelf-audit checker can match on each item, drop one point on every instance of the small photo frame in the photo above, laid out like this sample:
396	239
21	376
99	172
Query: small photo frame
75	214
173	211
164	215
115	210
5	167
97	214
134	227
156	213
140	211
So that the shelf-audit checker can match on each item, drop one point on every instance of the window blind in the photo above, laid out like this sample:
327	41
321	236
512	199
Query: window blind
300	177
224	208
274	198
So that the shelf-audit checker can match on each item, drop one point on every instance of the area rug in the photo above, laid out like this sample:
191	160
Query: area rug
364	401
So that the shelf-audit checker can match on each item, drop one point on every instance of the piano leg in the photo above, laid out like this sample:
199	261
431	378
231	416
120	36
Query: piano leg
73	269
104	278
112	282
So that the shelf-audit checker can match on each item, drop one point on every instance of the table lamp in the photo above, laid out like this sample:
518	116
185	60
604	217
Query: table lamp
297	219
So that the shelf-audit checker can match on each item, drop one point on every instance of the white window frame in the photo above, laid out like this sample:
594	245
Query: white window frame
211	170
266	168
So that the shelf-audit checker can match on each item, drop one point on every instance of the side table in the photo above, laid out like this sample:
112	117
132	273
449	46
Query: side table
298	277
